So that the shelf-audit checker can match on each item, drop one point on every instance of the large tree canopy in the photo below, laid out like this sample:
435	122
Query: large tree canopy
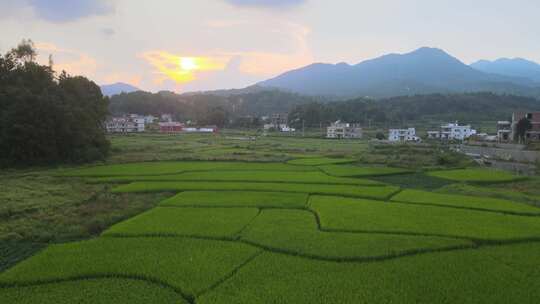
48	119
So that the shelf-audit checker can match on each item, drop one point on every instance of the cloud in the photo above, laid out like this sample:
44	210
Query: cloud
71	61
179	68
68	10
266	3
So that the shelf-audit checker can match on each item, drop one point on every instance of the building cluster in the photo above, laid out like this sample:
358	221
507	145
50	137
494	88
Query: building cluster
277	122
452	131
134	123
343	130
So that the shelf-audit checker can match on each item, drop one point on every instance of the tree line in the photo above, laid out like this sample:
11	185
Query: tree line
47	117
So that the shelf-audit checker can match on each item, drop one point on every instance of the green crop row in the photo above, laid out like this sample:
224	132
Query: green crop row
91	291
351	170
205	222
237	199
338	213
490	275
246	176
189	265
318	161
476	175
464	201
376	192
296	231
160	168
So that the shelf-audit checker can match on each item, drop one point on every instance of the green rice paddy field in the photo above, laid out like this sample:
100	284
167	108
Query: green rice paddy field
313	229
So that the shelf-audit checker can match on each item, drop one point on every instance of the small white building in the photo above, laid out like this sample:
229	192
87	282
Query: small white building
340	130
452	131
402	135
127	124
149	119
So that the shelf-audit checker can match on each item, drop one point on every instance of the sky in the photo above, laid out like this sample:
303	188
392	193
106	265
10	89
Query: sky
193	45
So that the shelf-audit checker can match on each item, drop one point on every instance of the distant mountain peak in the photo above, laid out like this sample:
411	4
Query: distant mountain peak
513	67
422	71
117	88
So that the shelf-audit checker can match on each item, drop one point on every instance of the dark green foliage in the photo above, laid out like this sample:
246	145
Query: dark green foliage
522	127
415	180
13	252
44	119
399	111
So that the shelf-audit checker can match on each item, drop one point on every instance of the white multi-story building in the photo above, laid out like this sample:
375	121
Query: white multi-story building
396	135
127	124
452	131
340	129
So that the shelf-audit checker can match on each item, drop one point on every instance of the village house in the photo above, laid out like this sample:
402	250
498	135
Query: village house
452	131
171	127
504	131
402	135
343	130
534	117
126	124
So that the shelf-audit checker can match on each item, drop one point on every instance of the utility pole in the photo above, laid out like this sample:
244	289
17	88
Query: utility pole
303	128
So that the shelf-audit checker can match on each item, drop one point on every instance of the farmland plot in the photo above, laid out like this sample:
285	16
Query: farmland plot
317	161
476	175
237	199
347	214
376	192
350	170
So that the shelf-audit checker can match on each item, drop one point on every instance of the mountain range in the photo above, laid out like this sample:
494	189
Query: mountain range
117	88
423	71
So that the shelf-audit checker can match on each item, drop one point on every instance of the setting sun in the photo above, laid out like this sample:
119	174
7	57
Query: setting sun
188	64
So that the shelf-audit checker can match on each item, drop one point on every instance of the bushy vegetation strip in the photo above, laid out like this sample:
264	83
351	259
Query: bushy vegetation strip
318	161
477	175
314	177
171	167
360	171
375	192
237	199
466	202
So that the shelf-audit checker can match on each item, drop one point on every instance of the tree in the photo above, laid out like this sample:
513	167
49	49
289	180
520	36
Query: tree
522	127
45	119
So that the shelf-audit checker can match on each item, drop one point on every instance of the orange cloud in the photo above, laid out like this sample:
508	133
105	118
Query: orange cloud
71	61
181	69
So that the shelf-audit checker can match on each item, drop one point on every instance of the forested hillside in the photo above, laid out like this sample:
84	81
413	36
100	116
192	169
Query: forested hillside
47	118
473	107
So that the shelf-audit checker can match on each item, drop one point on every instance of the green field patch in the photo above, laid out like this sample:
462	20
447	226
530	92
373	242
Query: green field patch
170	167
376	192
315	177
464	201
203	222
318	161
190	265
91	291
296	232
351	170
490	275
365	215
478	175
237	199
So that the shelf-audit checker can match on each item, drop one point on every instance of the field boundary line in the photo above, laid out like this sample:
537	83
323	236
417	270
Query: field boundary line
187	297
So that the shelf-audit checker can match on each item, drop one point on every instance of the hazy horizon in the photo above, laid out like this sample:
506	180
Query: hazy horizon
221	44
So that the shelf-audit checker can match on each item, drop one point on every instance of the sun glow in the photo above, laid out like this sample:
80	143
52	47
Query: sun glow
188	64
182	69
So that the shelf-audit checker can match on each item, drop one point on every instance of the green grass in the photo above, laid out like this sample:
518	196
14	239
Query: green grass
160	168
351	170
13	252
213	222
110	290
317	161
463	201
476	175
365	215
237	199
376	192
186	264
490	275
296	232
244	176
